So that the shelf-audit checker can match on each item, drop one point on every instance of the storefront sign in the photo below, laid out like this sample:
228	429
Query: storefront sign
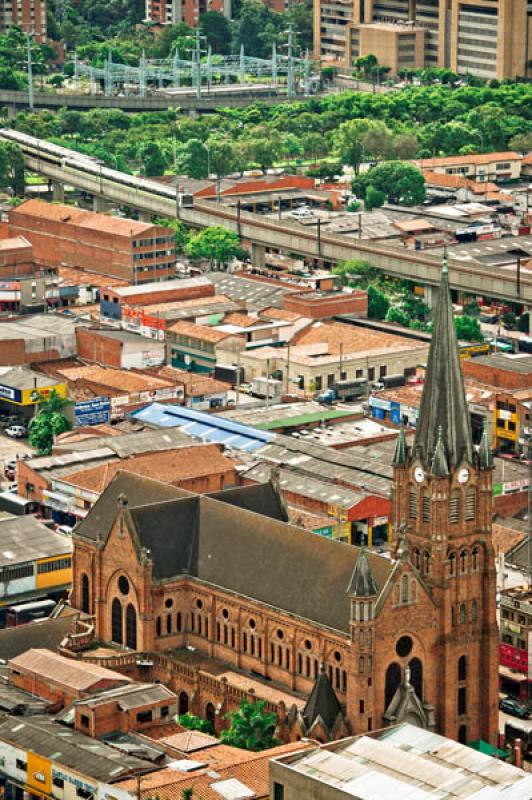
92	412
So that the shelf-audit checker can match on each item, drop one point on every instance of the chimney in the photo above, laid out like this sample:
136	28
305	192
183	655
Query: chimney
518	755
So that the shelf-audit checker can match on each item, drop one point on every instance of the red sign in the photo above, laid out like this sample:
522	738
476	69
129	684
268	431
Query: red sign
512	657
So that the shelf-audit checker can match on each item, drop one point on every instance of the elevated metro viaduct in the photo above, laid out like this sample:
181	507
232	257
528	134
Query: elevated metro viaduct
150	199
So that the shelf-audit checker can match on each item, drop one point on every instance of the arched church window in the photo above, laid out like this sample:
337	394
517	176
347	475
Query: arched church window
462	668
470	504
116	621
426	563
463	562
416	676
452	564
85	594
391	682
131	627
462	734
474	611
416	558
462	613
475	559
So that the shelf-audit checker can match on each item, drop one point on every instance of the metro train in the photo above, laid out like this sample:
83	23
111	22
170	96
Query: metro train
65	158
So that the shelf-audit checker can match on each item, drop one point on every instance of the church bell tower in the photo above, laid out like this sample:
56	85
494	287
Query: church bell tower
442	515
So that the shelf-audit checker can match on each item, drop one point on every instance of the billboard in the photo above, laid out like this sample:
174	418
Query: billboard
92	412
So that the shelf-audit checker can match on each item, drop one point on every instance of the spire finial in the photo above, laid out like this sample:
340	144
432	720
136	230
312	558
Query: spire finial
485	454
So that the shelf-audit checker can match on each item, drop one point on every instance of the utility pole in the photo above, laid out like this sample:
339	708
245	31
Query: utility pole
288	368
237	392
290	64
267	383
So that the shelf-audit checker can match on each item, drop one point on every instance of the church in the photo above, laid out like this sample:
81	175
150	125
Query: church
366	639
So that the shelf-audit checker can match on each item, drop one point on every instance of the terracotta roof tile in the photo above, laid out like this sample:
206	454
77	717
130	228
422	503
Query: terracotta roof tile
242	320
170	466
279	313
201	332
72	276
478	158
123	380
352	340
128	228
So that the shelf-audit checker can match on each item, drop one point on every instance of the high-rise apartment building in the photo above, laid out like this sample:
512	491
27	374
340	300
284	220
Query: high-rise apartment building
30	15
171	12
486	38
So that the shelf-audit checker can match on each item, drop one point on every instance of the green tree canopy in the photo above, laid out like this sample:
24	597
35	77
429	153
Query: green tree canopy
353	137
378	303
180	230
193	159
217	29
152	160
400	183
252	728
216	244
193	723
468	329
48	422
12	167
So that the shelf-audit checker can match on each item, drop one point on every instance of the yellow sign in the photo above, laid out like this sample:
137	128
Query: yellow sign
30	396
39	778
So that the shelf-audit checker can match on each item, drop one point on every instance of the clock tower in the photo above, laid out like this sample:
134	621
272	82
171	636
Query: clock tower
442	517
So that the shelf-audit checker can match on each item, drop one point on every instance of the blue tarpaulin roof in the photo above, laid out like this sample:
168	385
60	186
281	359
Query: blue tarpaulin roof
208	427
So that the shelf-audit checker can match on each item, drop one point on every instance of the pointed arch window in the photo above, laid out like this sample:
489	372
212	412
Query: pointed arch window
452	564
475	559
116	621
416	558
462	613
474	611
131	627
462	668
404	589
463	562
85	594
426	507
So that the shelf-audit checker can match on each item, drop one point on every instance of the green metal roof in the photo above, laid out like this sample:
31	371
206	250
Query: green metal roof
488	749
304	419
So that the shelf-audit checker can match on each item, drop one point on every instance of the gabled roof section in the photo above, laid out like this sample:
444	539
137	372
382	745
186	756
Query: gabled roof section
362	581
322	703
262	498
443	402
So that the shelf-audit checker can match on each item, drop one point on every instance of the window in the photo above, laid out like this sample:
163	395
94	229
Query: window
84	720
83	793
462	734
462	700
131	627
178	621
158	626
361	706
463	562
404	589
165	711
85	594
470	505
475	559
454	507
416	558
382	372
14	573
426	508
21	765
116	621
462	613
371	374
54	566
452	564
359	373
474	611
412	504
361	665
462	668
318	383
59	782
145	716
278	791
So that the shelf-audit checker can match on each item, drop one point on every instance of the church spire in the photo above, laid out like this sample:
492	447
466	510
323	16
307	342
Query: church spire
399	458
484	453
443	414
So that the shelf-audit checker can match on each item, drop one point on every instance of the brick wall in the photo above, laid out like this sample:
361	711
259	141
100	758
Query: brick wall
93	346
323	307
163	296
505	379
12	352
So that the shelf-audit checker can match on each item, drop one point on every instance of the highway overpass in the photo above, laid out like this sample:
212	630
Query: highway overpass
65	167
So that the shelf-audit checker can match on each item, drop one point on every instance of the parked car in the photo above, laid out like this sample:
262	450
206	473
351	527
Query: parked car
16	431
245	388
515	708
66	530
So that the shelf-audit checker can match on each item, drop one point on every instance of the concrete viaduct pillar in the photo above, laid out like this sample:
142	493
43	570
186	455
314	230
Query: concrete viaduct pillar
258	255
431	296
144	216
58	192
98	204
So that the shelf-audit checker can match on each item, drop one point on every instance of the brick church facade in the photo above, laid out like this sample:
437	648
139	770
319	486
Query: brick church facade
369	639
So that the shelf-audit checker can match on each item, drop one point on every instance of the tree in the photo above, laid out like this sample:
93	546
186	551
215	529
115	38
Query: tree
48	422
356	272
522	142
400	183
397	315
180	232
405	146
187	794
152	160
222	156
378	304
352	138
193	159
468	329
374	198
262	151
252	728
472	309
215	244
193	723
215	27
12	167
509	319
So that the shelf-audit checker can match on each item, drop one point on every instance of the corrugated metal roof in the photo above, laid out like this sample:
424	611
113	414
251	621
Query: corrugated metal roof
24	539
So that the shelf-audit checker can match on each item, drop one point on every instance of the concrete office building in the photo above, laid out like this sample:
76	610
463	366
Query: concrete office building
487	38
30	15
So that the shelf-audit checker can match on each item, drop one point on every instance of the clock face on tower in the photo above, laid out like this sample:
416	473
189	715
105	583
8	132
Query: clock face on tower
419	475
463	475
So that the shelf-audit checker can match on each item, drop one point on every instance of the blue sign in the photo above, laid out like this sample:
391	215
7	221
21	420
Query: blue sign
92	412
395	412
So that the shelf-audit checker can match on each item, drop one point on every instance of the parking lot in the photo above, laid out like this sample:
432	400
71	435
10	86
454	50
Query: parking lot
9	450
